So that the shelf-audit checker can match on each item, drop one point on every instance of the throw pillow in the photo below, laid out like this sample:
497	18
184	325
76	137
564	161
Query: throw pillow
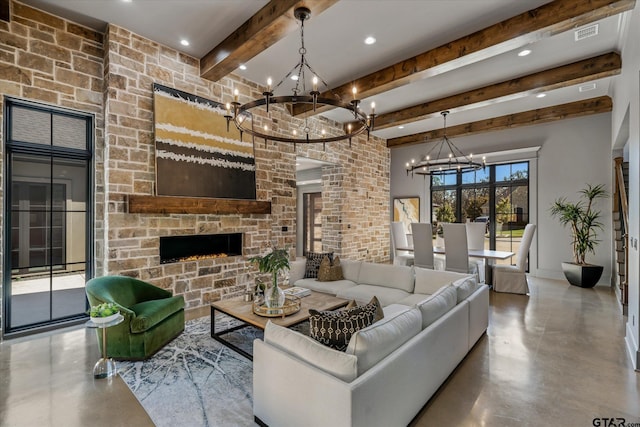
374	301
313	263
335	328
330	271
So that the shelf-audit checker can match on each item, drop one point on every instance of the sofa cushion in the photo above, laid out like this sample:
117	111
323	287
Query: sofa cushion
313	262
391	276
325	287
335	328
364	293
350	269
375	342
330	271
412	299
429	281
150	313
465	287
379	311
296	269
436	305
336	363
393	309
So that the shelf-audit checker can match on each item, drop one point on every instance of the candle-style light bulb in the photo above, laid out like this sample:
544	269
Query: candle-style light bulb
295	132
266	128
236	93
315	83
323	132
228	106
373	108
269	83
354	91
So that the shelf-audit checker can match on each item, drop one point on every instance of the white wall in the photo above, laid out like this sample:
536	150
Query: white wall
573	152
626	95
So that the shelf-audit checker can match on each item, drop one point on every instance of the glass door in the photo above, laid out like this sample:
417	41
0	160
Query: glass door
312	212
47	216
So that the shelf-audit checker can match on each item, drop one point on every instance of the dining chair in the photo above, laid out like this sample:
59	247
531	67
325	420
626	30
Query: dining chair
456	249
422	244
399	240
513	278
475	242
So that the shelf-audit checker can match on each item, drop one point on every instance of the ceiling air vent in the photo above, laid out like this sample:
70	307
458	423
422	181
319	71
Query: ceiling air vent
586	32
587	87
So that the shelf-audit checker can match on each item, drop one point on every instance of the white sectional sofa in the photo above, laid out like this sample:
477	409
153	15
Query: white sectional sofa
390	369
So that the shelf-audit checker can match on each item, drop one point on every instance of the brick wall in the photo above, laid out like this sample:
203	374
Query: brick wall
117	81
46	59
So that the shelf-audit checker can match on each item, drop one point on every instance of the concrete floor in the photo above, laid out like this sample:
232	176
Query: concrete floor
554	358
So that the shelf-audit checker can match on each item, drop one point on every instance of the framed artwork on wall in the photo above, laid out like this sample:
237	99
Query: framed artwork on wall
195	154
406	210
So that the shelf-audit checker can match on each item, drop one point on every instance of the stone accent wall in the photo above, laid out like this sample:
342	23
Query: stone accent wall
47	59
115	82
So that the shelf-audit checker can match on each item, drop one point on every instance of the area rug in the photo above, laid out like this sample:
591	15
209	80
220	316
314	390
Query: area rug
195	380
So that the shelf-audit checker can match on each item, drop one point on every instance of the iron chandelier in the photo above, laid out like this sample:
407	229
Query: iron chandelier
238	113
444	158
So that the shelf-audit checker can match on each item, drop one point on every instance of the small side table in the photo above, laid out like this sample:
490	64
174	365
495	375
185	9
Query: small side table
105	367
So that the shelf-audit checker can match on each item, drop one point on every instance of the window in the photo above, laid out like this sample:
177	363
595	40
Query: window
497	195
48	215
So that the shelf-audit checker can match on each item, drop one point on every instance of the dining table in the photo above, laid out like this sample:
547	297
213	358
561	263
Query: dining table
489	255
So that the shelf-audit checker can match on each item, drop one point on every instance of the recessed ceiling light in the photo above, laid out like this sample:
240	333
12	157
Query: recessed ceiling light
541	95
127	1
587	87
524	52
370	40
294	77
242	67
184	42
400	127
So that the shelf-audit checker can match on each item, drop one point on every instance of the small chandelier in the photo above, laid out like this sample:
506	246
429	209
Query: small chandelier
444	158
238	113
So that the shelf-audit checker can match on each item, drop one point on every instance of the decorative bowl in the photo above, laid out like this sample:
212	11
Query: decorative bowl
105	319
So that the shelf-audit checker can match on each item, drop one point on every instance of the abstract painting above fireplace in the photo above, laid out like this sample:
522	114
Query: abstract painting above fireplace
195	154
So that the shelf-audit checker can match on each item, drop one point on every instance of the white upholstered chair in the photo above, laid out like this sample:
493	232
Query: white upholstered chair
512	278
456	249
475	241
422	244
399	240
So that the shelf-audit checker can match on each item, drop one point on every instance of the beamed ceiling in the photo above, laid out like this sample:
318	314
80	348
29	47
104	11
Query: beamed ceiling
430	55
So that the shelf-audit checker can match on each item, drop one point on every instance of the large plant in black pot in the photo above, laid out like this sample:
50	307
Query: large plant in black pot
584	223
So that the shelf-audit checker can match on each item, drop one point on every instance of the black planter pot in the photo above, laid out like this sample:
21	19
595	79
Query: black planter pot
584	276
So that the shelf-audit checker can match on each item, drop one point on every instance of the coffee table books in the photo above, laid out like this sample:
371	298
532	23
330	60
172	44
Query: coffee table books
297	291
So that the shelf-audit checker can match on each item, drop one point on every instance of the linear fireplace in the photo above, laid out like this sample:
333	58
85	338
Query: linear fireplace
199	246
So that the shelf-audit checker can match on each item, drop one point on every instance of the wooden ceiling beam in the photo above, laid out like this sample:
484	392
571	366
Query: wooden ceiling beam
598	105
270	24
578	72
528	27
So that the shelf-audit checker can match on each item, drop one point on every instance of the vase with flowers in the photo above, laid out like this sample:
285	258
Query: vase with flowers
274	262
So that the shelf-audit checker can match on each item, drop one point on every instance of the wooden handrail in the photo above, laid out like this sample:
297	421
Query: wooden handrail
621	190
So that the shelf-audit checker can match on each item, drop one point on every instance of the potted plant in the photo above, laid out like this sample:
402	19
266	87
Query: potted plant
276	261
584	222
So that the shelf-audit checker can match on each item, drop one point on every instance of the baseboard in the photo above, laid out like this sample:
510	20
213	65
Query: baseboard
632	348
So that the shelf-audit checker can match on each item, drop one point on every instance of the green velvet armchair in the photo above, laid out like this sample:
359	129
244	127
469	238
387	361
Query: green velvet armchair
152	316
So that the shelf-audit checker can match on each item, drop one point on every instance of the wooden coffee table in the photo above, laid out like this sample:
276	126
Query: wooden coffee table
243	311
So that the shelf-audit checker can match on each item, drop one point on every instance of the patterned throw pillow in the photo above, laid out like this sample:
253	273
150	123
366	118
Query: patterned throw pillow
335	328
313	263
330	271
374	301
